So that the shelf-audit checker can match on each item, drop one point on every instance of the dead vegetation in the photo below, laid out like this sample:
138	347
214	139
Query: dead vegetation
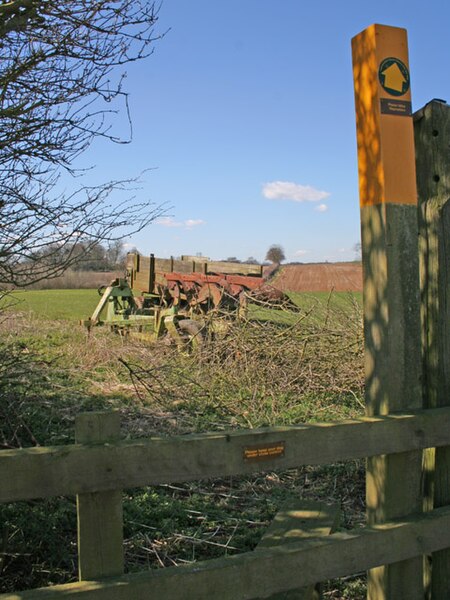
77	280
260	372
302	365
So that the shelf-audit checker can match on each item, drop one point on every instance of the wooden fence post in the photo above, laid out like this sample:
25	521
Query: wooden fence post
432	138
100	520
389	226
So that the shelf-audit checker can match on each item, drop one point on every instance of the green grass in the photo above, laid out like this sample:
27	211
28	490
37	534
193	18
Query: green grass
334	299
321	305
74	305
71	305
257	374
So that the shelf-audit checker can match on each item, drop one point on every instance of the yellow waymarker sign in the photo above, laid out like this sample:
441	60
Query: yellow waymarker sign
385	137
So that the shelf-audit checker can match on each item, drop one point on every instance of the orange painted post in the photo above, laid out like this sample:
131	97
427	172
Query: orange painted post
388	199
386	160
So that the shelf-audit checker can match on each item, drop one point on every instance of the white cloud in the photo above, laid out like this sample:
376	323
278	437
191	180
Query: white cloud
170	222
301	252
288	190
321	208
193	223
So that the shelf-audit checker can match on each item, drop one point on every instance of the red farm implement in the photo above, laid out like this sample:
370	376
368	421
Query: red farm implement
169	295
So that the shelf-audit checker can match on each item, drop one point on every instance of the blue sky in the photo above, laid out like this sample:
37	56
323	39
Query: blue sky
245	115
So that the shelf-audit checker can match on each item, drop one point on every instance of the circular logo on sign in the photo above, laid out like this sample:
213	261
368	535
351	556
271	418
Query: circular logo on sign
393	75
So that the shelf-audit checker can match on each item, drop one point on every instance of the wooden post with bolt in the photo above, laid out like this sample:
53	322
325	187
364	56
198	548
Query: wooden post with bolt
432	137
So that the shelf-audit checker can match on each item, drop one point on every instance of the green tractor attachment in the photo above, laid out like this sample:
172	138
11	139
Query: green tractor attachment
143	317
174	298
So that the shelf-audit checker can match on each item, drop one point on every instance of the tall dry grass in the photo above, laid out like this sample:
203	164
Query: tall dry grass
248	374
77	280
256	373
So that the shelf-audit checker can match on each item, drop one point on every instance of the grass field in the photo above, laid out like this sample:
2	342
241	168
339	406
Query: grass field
318	305
79	304
262	372
71	305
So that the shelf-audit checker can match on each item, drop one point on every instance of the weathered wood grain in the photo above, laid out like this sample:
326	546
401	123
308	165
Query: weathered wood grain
237	268
300	520
151	269
269	571
44	472
163	265
432	137
182	266
99	514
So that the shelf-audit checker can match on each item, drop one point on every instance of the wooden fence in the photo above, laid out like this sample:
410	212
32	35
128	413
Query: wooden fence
407	349
97	471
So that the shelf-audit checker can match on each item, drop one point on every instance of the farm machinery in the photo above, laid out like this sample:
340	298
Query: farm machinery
177	297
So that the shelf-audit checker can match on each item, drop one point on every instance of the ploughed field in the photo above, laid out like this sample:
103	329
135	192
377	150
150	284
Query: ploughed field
320	277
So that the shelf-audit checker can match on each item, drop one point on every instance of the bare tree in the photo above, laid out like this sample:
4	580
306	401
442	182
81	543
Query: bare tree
357	249
115	255
275	254
61	82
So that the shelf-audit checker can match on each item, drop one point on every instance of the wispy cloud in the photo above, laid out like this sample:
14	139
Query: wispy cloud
301	252
193	223
170	222
321	208
288	190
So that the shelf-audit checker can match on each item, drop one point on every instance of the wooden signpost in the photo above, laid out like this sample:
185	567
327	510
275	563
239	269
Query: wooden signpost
388	199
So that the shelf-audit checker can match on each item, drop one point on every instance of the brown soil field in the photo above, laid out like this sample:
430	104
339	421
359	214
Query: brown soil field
319	277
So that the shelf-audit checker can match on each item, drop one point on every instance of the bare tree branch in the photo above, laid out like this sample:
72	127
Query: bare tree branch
61	86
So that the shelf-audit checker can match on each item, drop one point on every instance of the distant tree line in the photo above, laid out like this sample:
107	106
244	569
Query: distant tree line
85	256
250	260
275	254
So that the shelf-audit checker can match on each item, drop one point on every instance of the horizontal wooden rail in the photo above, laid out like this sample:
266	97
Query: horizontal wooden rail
74	469
267	571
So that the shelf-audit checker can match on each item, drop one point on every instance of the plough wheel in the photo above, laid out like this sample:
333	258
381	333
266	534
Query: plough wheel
208	296
192	331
